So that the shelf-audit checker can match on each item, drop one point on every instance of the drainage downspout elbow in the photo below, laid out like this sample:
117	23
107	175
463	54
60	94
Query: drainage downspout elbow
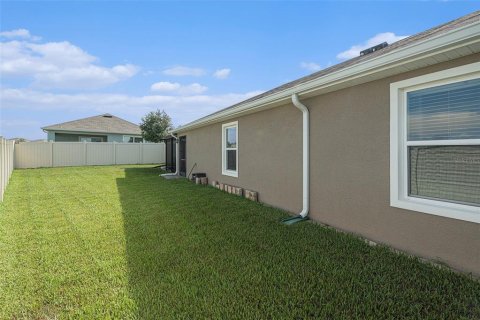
305	154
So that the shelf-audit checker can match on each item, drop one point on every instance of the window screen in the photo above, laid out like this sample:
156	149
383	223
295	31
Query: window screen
450	173
445	112
232	160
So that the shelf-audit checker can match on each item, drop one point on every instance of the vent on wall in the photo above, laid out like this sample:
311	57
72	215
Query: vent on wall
374	48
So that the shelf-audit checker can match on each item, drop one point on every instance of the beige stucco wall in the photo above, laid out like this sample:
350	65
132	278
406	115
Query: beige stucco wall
349	166
269	155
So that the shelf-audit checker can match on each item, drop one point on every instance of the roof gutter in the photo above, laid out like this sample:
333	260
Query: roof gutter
459	37
305	162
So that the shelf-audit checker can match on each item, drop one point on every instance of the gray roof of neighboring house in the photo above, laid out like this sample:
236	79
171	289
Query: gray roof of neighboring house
419	37
104	123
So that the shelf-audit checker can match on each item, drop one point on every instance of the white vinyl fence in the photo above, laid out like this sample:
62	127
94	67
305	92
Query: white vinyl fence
6	163
63	154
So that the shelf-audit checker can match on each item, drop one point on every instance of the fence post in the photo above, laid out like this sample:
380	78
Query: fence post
2	178
4	152
51	154
8	159
114	152
12	157
85	152
6	163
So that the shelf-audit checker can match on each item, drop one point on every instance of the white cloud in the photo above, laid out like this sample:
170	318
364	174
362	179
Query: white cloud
88	77
58	65
222	73
192	89
184	71
18	33
310	66
174	87
354	51
165	86
182	109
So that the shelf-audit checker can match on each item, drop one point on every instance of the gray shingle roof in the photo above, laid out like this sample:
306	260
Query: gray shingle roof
462	21
104	123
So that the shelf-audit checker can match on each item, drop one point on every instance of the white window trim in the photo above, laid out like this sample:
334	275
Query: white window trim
398	145
225	126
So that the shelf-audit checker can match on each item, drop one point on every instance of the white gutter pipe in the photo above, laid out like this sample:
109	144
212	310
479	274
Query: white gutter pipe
177	160
306	154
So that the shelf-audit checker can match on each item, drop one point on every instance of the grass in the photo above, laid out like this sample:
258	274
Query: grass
121	242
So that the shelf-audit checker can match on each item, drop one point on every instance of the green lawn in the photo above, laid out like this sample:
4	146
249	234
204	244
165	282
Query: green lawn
121	242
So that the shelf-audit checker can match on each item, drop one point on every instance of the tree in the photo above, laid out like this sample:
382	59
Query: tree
155	125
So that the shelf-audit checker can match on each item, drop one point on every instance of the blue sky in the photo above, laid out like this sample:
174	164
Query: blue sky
67	60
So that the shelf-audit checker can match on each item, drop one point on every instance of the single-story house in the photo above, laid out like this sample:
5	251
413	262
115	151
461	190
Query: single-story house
101	128
385	145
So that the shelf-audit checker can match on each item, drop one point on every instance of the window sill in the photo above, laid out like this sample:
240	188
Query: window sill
230	173
439	208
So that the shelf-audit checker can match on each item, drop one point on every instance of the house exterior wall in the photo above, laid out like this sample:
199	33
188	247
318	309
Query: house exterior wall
269	155
50	135
349	163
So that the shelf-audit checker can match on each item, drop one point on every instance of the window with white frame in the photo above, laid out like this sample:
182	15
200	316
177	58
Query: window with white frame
435	143
91	139
230	149
132	139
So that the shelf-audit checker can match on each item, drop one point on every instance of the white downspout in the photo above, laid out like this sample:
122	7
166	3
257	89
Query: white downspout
306	154
177	160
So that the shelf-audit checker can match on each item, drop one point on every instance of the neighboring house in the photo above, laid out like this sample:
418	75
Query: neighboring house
393	152
101	128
